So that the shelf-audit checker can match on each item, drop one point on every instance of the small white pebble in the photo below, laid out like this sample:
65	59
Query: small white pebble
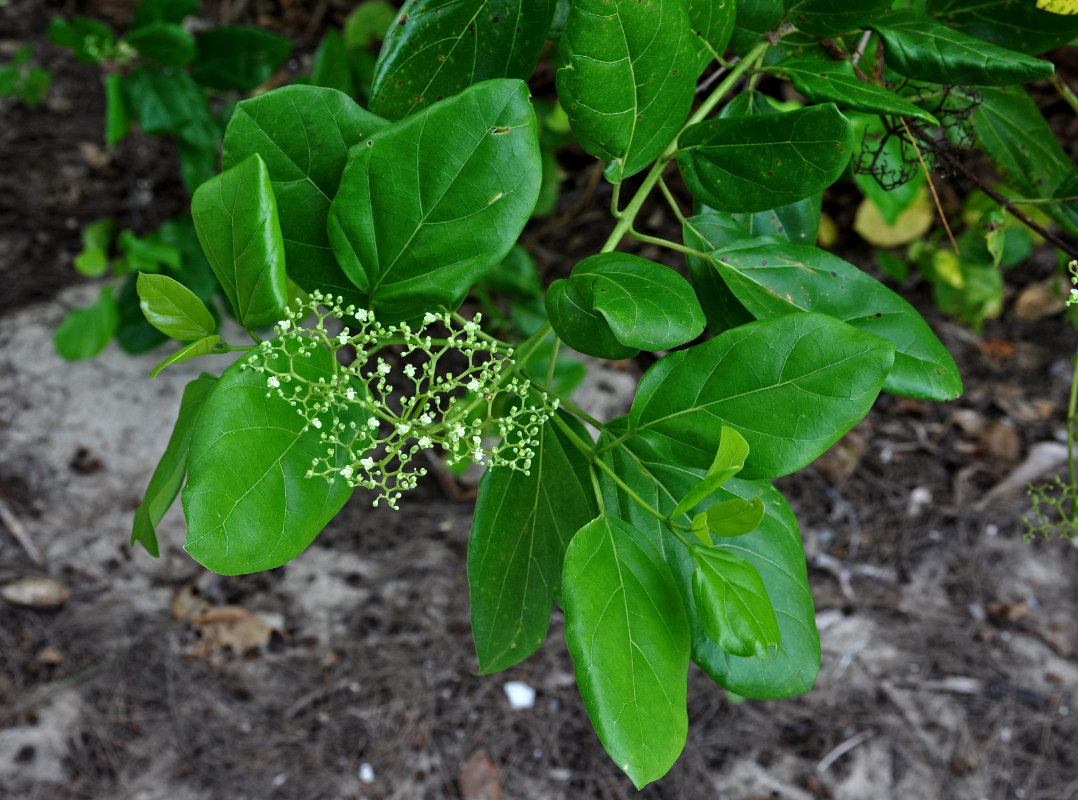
520	694
366	773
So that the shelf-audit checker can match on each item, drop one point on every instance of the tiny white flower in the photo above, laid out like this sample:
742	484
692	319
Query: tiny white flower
273	383
403	429
424	442
316	422
372	423
473	385
425	419
350	393
383	367
458	431
429	318
283	325
409	370
367	463
346	472
343	338
362	314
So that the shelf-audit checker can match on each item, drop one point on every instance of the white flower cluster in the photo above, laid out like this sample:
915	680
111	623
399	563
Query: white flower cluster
405	391
1073	269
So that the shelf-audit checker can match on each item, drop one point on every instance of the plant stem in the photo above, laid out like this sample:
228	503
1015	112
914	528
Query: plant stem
1065	92
672	201
1071	406
643	237
553	361
625	221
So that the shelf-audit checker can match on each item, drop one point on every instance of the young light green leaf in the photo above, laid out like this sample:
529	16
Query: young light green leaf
1016	26
826	18
822	80
626	73
648	464
438	49
729	460
776	279
522	526
759	162
236	221
645	305
238	57
736	517
1015	136
917	46
303	134
117	113
812	379
626	630
199	347
168	475
174	309
261	511
732	603
85	332
464	175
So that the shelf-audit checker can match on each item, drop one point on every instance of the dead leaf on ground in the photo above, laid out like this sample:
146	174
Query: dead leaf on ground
479	780
36	592
840	462
999	439
1039	301
223	627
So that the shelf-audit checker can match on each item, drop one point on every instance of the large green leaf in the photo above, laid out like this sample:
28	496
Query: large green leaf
302	134
645	305
831	17
759	162
626	630
438	49
649	465
168	476
705	232
626	73
917	46
754	19
238	57
248	502
822	80
732	603
522	525
792	386
428	205
1015	25
775	279
236	221
713	24
1013	133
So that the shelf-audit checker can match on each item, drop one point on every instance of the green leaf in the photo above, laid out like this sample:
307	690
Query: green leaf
706	232
754	19
776	279
117	113
515	275
759	162
1017	139
85	332
236	221
199	347
626	74
150	253
881	168
1016	26
918	47
368	23
732	518
165	102
238	57
248	502
713	24
729	460
164	42
822	80
428	205
733	605
792	386
134	334
89	40
302	134
330	67
436	50
175	11
648	463
522	525
168	475
627	633
643	304
93	261
825	18
570	309
174	309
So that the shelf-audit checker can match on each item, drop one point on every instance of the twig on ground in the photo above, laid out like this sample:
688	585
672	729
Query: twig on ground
18	532
842	749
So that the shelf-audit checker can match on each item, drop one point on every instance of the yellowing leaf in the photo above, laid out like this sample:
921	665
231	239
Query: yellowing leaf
1059	6
911	224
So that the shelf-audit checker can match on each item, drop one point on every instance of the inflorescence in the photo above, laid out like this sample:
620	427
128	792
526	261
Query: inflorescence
371	432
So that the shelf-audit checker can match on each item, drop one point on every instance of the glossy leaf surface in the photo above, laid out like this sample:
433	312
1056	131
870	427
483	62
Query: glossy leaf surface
831	17
248	502
823	80
776	279
522	526
235	215
626	75
168	475
713	23
303	134
733	605
729	460
733	518
1016	26
428	205
437	49
921	48
174	309
759	162
627	633
792	386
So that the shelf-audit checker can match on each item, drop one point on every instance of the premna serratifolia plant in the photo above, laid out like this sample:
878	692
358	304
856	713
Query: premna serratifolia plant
357	233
